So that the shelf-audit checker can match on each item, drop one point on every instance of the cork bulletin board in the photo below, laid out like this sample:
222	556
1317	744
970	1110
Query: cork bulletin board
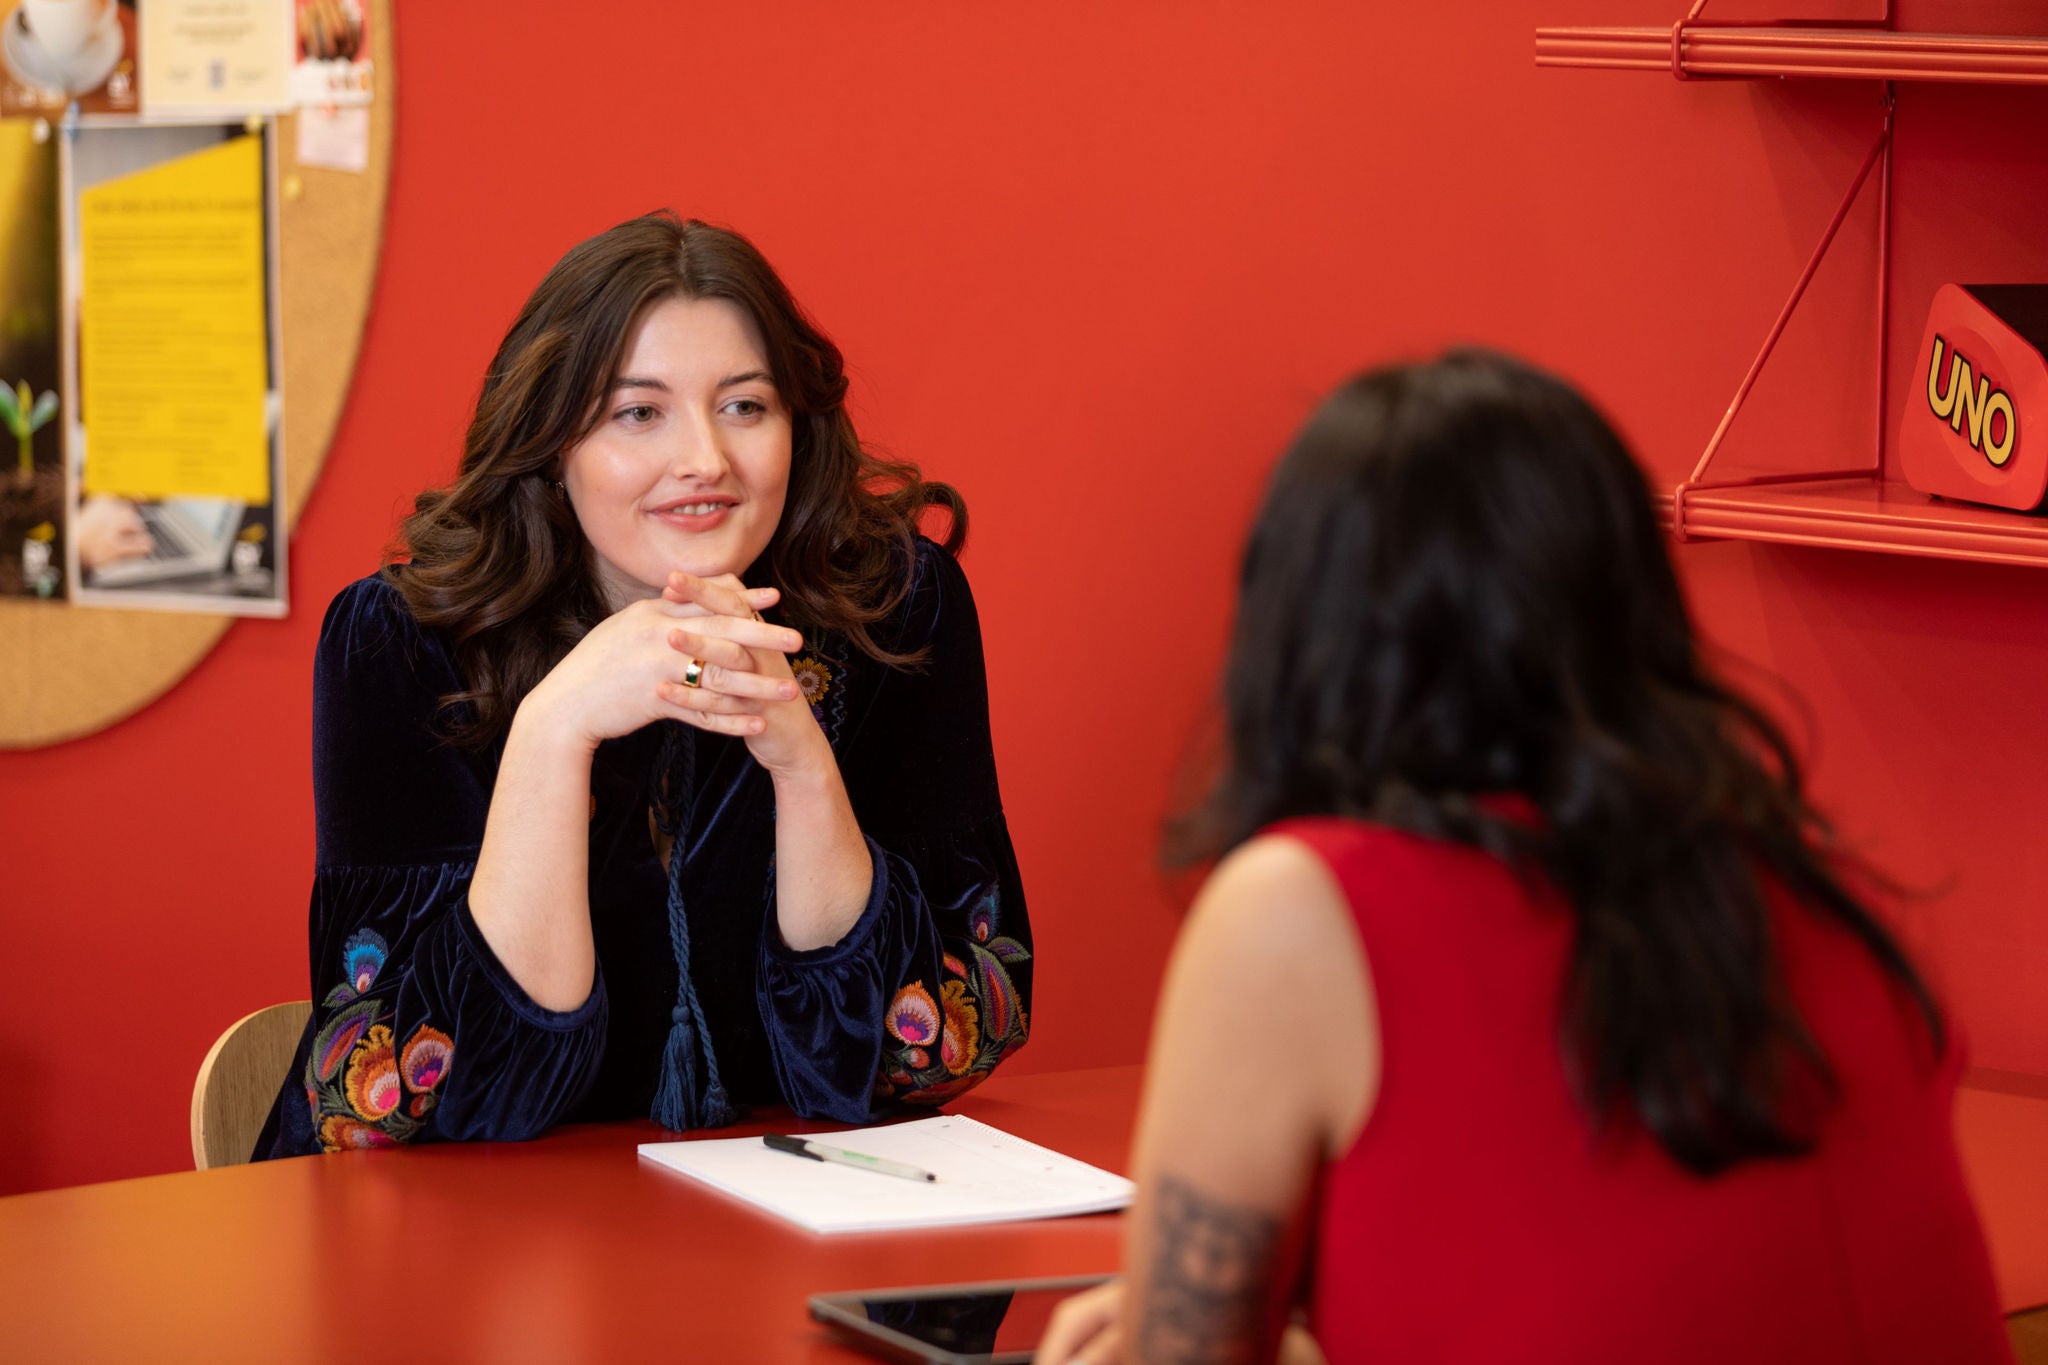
66	672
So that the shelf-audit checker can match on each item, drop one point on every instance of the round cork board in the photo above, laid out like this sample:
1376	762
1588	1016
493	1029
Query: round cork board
66	672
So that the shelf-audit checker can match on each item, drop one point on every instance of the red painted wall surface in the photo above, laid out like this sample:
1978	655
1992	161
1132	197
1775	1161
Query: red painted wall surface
1094	264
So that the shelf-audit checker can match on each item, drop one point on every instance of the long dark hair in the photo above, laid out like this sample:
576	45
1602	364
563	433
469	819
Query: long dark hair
498	560
1457	587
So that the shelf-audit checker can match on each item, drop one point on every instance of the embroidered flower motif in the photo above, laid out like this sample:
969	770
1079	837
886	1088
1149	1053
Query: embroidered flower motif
1002	1012
363	957
814	679
822	676
420	1106
339	1133
372	1084
979	1016
313	1103
981	920
912	1017
332	1044
960	1040
425	1060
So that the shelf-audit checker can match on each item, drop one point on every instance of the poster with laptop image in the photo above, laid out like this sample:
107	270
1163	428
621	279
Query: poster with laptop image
176	441
54	53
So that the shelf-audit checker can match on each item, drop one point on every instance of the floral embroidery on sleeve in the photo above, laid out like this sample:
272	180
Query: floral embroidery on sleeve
364	1090
820	677
977	1021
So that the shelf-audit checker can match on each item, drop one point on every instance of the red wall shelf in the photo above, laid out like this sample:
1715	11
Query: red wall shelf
1843	53
1841	508
1859	514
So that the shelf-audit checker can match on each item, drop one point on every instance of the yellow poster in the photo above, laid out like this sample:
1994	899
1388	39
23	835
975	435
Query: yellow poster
173	351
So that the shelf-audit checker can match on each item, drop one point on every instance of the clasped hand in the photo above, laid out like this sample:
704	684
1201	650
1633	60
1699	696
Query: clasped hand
630	670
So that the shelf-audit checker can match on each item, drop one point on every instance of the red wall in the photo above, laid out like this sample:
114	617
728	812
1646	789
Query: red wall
1093	264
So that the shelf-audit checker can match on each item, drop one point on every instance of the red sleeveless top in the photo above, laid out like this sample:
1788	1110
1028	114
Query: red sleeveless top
1476	1218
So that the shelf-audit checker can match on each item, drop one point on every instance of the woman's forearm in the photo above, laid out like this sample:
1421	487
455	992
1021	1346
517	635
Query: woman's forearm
822	869
530	894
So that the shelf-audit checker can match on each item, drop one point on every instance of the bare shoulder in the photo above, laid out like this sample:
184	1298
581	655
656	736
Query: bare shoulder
1271	950
1272	903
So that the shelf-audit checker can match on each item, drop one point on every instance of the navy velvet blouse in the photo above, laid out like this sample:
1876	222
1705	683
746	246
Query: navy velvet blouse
419	1033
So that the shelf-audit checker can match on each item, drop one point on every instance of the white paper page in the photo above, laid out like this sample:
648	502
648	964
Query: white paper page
336	138
984	1176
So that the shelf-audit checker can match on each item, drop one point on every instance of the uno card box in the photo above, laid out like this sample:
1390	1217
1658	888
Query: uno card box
1976	423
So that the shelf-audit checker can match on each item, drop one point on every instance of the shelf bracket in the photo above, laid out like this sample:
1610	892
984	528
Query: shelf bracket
1693	20
1880	156
1678	71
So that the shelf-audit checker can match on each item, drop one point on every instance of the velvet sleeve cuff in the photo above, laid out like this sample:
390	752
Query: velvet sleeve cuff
854	942
822	1008
478	951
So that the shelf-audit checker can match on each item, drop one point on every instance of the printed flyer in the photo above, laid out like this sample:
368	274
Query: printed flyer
219	57
179	445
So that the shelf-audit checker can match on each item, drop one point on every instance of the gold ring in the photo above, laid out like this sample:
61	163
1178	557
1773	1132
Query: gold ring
693	673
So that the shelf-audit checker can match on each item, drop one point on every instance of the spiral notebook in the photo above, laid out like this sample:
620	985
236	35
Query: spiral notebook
984	1176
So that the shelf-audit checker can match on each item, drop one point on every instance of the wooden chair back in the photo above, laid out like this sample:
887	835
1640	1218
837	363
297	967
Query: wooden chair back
238	1081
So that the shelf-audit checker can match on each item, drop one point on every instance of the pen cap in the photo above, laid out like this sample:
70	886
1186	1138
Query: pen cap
794	1146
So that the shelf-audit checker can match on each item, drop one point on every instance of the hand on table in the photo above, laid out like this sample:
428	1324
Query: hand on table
1087	1330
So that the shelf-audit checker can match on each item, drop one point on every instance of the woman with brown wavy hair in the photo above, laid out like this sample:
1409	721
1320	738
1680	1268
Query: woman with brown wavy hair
656	779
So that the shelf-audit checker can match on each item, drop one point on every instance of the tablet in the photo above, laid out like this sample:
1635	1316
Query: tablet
996	1323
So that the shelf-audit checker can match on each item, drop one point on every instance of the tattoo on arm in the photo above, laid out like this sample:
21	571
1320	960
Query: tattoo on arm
1210	1271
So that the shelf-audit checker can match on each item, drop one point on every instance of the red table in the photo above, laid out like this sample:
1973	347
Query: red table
2002	1134
568	1248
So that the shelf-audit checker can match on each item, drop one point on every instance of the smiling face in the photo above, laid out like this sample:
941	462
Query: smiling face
688	466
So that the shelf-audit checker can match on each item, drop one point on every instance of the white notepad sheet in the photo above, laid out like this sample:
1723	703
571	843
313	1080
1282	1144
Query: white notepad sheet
984	1176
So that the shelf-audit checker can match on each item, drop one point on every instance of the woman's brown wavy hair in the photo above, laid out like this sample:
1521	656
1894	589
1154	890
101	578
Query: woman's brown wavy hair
497	560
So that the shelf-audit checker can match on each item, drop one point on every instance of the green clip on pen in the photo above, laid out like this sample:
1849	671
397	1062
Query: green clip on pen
818	1151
